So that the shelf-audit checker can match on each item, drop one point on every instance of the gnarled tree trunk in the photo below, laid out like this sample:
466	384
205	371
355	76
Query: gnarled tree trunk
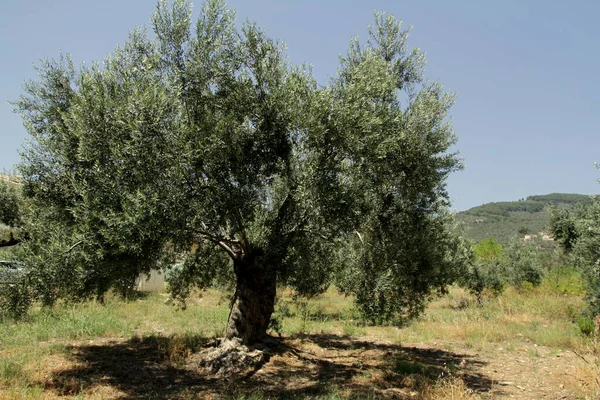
253	302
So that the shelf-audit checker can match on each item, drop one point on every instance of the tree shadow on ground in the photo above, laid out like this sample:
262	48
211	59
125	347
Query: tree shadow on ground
146	368
365	369
428	362
158	367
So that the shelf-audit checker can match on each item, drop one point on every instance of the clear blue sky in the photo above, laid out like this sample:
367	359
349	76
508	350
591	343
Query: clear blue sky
526	73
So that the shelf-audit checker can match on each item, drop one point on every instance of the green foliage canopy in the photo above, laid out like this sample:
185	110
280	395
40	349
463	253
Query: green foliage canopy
205	145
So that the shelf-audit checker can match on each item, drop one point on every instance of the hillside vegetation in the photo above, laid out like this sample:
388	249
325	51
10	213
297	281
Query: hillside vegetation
507	219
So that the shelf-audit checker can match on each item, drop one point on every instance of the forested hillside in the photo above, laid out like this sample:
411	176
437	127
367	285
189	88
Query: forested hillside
507	219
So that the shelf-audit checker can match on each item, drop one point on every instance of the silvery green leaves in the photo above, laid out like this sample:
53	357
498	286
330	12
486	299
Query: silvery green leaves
205	147
392	133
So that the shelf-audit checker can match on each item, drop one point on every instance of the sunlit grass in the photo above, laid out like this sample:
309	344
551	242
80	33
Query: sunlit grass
543	318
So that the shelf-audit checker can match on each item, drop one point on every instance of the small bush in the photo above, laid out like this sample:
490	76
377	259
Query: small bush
484	275
481	278
523	268
15	301
586	325
564	280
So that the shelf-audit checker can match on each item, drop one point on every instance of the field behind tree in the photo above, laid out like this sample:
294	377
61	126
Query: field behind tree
523	344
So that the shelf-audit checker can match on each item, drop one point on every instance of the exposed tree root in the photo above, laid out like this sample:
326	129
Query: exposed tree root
230	358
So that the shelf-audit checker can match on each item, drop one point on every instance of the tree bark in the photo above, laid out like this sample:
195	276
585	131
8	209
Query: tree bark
253	302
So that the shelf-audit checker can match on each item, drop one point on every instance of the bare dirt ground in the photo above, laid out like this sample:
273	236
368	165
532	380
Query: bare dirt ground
307	365
526	372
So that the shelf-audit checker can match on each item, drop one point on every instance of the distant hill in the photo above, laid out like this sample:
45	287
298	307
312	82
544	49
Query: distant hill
507	219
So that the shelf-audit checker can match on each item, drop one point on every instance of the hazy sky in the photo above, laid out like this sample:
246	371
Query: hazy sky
526	73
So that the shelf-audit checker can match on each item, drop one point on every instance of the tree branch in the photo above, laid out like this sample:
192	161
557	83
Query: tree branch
283	209
72	247
239	221
227	249
221	242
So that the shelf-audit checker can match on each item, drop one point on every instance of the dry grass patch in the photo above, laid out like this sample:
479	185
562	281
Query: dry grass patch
449	389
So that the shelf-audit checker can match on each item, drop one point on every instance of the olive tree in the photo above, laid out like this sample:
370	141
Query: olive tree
10	213
577	230
486	269
203	144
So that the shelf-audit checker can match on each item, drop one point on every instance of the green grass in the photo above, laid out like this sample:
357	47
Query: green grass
115	318
331	313
544	318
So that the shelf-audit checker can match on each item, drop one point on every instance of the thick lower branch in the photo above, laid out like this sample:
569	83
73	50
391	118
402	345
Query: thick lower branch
222	243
